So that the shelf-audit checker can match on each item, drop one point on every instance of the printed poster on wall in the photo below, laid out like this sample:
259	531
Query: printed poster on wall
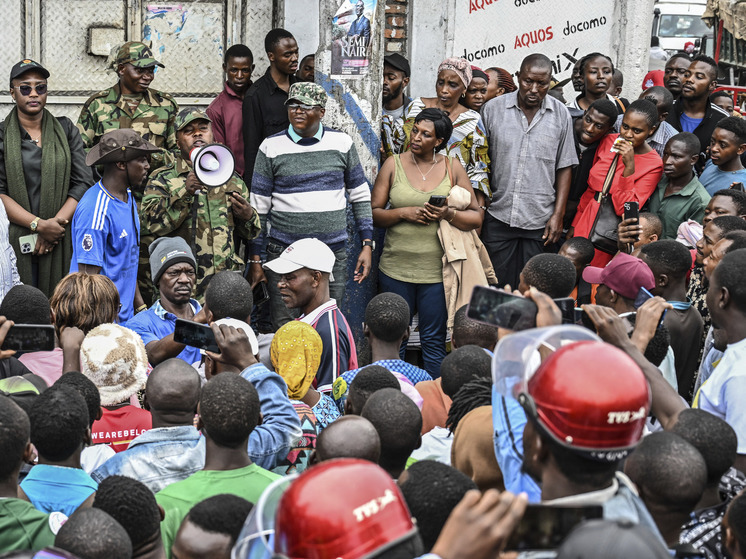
352	32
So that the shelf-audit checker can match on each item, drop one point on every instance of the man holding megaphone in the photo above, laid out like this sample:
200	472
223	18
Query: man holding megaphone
200	198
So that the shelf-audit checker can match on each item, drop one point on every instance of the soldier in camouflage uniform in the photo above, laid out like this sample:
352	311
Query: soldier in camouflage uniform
173	193
131	103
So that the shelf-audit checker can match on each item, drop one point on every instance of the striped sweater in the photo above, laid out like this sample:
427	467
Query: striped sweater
301	189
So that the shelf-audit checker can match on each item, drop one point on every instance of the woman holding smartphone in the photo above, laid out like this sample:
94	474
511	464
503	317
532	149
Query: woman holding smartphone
42	176
411	263
637	174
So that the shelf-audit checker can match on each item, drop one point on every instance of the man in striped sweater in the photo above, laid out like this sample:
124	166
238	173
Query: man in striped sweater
303	177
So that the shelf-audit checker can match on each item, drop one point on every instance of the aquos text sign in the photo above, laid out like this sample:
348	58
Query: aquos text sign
503	32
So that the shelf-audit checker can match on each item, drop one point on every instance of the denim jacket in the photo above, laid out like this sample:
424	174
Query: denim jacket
165	455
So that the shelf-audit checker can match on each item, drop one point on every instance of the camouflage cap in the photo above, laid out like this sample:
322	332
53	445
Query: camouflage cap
136	53
188	115
119	145
307	93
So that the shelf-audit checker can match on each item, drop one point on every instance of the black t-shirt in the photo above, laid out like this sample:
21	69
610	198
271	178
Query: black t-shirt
686	328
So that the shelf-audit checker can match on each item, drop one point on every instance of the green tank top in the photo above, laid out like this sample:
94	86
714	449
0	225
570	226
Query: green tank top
412	252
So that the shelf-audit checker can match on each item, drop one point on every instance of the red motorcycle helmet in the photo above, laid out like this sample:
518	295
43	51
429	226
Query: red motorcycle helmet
590	397
341	509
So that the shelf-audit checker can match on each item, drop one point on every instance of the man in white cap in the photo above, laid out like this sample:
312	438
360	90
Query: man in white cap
304	269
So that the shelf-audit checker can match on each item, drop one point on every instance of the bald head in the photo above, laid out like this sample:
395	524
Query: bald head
172	393
536	61
350	436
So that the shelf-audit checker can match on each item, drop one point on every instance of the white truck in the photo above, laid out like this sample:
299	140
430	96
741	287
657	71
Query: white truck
680	22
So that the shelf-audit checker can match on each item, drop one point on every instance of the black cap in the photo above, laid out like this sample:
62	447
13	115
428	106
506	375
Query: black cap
397	61
26	66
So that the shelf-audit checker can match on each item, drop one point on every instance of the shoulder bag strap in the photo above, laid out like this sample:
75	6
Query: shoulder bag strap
610	176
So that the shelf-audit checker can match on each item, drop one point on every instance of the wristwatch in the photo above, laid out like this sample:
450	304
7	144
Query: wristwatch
34	224
369	243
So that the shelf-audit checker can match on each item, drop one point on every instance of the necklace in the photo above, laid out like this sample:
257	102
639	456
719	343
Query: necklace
424	177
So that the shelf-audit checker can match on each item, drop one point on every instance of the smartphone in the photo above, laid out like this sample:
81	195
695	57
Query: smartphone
544	527
500	308
436	200
737	186
196	335
567	308
631	210
28	243
642	296
260	293
30	337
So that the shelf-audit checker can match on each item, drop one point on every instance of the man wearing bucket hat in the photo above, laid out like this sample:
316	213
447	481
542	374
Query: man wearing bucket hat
106	228
131	103
302	179
176	203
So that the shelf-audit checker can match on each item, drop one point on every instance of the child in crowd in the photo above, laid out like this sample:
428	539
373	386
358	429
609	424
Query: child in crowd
726	146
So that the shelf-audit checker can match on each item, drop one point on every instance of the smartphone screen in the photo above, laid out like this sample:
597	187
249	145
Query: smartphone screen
642	296
567	308
545	527
30	337
500	308
260	293
196	335
437	200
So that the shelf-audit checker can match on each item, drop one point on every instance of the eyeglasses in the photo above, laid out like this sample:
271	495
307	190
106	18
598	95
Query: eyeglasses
25	90
301	107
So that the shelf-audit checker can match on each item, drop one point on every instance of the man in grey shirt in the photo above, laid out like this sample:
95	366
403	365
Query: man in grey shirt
532	154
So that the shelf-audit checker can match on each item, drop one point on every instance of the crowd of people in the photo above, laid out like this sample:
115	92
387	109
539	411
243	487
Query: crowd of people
204	395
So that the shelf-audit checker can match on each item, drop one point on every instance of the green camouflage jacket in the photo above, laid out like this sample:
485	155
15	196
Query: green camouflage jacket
167	210
153	119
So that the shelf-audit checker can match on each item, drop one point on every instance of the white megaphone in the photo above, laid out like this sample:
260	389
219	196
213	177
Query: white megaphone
213	164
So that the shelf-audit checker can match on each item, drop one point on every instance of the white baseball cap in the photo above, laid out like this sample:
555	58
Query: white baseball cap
305	253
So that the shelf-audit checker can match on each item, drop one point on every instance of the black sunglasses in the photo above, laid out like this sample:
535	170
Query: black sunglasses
25	90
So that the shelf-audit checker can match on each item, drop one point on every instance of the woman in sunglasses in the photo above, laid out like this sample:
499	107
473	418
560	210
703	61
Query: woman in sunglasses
42	176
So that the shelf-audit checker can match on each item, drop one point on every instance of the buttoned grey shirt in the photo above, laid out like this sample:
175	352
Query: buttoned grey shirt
525	158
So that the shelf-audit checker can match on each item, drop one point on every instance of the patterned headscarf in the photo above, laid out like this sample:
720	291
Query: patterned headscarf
296	355
459	65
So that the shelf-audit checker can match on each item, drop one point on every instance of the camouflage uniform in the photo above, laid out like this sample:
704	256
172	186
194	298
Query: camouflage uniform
166	209
153	118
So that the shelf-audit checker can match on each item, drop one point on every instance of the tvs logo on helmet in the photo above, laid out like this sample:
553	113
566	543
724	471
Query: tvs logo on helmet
616	417
374	506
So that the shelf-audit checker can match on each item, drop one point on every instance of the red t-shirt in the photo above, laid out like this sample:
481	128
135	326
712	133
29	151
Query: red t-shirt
117	428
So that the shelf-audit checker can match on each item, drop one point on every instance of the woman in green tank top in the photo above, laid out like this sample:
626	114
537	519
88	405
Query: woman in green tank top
411	263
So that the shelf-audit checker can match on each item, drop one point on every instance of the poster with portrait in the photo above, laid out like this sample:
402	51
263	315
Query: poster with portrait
352	32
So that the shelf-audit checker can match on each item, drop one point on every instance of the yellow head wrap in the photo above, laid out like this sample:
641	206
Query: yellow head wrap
296	356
